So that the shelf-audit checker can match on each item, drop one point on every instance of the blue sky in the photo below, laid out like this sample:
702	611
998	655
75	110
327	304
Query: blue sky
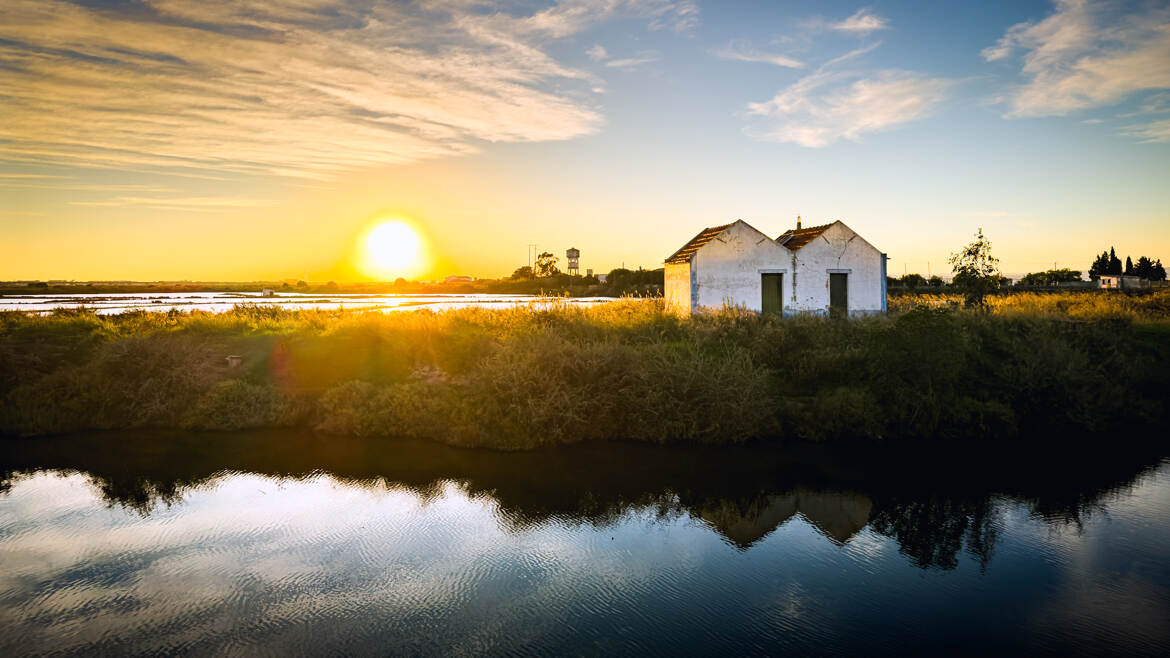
621	127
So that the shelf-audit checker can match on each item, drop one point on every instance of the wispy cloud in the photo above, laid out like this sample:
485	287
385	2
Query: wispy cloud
630	63
301	88
823	108
597	52
1086	55
863	21
829	105
739	50
1154	131
197	204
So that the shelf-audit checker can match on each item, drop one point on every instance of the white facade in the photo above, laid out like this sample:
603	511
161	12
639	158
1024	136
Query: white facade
725	266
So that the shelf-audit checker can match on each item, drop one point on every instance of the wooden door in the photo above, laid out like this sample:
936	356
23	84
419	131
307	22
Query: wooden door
838	294
770	286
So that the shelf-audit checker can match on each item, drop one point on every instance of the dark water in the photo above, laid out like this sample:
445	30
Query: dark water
286	544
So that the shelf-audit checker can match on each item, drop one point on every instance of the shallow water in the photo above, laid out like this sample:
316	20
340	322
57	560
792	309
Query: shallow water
278	543
219	302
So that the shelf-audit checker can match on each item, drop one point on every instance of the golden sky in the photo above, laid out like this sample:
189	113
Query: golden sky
261	139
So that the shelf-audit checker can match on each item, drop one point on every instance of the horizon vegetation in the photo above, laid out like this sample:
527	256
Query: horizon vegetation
1035	366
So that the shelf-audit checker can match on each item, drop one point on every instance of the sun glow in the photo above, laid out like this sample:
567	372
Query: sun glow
393	248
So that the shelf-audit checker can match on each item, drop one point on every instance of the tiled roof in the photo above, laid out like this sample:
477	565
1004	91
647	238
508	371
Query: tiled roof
706	235
795	239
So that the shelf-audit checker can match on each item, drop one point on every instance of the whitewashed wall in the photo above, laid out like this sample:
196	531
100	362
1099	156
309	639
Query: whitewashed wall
677	288
726	271
838	249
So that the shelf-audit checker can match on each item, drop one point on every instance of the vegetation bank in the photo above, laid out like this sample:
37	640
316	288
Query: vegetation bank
1034	367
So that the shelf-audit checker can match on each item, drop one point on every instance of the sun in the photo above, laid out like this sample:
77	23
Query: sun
393	248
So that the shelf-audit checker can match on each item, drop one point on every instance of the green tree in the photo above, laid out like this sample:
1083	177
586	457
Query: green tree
976	271
913	281
546	265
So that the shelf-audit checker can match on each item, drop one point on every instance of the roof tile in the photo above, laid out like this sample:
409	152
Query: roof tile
688	250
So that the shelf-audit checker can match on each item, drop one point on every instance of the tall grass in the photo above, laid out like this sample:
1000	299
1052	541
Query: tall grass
1042	366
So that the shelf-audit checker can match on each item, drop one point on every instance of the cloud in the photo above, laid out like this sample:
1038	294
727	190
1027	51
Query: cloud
825	107
196	204
741	51
304	88
1086	55
863	21
1152	132
630	63
597	52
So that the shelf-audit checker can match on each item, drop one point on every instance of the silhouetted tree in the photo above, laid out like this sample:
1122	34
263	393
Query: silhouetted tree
976	270
1128	266
546	264
524	272
1100	266
1114	262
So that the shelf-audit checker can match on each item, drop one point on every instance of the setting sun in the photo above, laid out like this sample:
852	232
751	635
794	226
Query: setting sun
393	248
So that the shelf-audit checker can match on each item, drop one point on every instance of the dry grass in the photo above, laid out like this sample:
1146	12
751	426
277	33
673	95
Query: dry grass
531	376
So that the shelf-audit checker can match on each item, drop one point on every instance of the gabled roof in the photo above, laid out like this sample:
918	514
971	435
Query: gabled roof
696	243
794	239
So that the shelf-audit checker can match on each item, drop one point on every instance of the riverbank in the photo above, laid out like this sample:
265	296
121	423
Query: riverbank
528	377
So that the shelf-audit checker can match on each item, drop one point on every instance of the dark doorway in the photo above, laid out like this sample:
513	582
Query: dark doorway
838	294
770	283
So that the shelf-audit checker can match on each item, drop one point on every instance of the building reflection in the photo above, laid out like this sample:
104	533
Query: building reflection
743	493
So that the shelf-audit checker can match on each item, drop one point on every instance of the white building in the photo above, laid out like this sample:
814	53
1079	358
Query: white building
1123	282
820	269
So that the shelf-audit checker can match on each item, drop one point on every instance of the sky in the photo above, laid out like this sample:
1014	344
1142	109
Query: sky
261	139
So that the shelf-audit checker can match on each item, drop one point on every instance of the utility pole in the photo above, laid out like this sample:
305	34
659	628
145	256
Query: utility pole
531	255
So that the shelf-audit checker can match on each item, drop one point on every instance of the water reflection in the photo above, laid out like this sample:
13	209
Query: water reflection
272	542
744	494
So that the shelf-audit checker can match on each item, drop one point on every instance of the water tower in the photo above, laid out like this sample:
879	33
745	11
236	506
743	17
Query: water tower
573	254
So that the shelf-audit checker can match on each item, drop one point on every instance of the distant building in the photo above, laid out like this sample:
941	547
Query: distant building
1122	282
458	278
573	255
268	292
820	269
602	278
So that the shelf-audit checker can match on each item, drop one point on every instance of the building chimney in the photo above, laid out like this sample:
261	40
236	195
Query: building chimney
798	222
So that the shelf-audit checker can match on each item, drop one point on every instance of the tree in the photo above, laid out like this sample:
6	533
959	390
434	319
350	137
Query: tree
1129	265
976	270
1114	262
524	272
1100	266
1158	273
302	284
546	265
913	281
936	281
1050	277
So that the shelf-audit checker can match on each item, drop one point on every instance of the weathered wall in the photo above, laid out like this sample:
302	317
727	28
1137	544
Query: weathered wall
677	288
838	249
726	271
